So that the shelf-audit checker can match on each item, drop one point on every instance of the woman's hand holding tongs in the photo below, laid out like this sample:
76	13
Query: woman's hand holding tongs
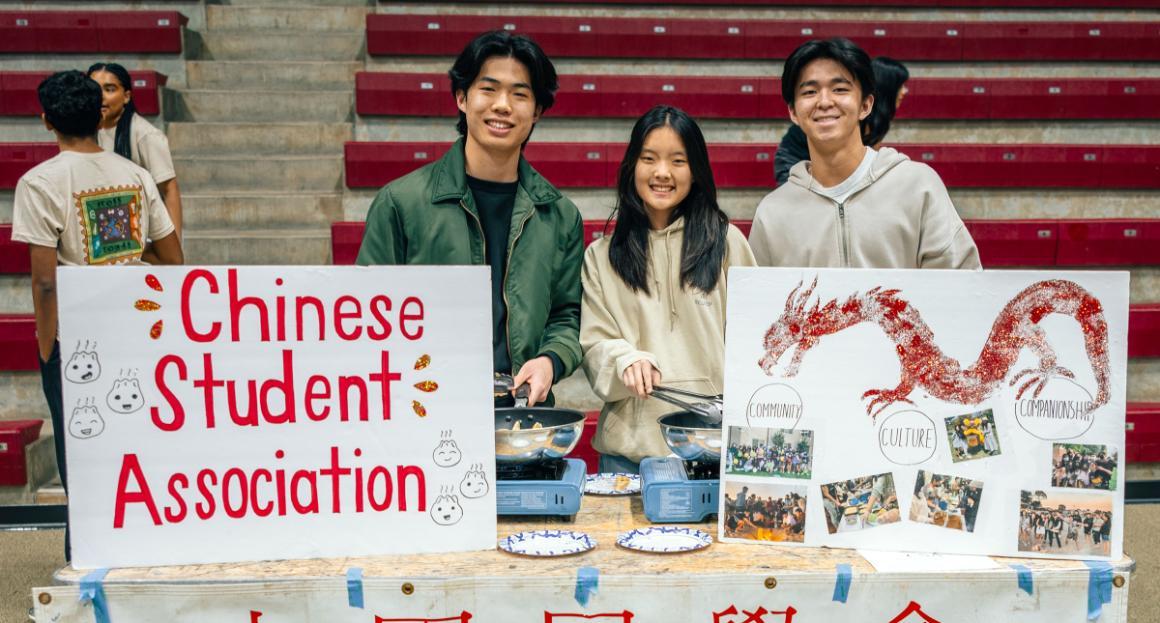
640	377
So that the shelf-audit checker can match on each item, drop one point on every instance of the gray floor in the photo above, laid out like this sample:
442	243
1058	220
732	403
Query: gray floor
30	558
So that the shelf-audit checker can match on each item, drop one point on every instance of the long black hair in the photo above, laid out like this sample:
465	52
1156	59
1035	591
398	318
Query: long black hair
703	249
889	76
122	143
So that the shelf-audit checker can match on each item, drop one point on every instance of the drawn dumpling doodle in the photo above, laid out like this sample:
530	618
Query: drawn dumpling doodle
447	453
446	510
83	366
125	396
86	422
474	483
923	362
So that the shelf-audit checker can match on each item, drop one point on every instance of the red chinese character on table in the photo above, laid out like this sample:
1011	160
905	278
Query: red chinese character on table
623	617
756	616
915	609
462	617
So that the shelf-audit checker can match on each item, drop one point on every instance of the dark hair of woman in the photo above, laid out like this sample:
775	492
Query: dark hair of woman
889	76
703	249
504	44
123	142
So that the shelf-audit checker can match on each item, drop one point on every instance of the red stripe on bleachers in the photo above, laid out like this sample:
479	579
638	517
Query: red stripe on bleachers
17	158
14	259
1143	432
18	348
18	92
65	32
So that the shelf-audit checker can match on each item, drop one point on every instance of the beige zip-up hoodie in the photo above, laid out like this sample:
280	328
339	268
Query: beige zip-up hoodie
681	332
900	216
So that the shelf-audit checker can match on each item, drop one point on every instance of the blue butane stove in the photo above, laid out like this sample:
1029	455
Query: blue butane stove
675	490
551	487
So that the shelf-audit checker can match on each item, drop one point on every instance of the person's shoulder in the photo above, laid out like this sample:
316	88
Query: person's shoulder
47	172
411	189
143	129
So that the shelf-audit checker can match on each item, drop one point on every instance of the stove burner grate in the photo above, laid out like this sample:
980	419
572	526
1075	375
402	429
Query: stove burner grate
552	469
703	470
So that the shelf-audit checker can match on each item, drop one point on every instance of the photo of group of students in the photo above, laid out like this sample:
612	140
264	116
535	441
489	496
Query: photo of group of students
770	452
947	501
765	512
860	503
1065	523
973	436
1084	466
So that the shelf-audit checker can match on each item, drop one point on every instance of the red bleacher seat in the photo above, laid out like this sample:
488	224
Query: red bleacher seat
1144	330
17	158
370	165
584	449
15	435
18	92
1143	432
18	349
424	95
1015	242
63	32
14	258
1109	242
345	239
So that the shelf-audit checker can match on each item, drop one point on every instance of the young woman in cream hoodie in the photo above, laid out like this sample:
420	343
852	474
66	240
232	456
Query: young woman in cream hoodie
653	309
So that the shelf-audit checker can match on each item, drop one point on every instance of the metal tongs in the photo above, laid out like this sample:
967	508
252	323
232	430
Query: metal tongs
708	407
503	387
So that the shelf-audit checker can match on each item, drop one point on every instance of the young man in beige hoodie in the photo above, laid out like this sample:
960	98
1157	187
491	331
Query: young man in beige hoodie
849	205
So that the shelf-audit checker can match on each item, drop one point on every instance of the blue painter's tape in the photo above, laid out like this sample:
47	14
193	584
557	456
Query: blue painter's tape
587	581
1025	581
354	587
93	590
842	584
1099	587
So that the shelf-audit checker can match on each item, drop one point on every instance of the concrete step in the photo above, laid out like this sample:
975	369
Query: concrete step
15	294
279	3
299	138
272	75
40	463
265	106
287	17
23	396
255	45
51	493
254	247
551	129
244	211
229	174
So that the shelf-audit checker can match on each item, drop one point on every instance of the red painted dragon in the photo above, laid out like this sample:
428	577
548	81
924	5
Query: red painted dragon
924	364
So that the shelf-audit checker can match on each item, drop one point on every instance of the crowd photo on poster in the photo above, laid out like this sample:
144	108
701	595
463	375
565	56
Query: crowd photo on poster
1065	523
973	436
860	503
947	501
1084	466
770	452
765	512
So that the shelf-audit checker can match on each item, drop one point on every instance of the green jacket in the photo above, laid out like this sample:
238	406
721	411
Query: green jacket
429	217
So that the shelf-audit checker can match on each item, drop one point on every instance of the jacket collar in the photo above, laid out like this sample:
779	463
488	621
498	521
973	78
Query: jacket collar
886	159
450	179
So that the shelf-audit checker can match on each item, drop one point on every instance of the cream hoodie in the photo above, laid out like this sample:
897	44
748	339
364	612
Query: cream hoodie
900	216
681	332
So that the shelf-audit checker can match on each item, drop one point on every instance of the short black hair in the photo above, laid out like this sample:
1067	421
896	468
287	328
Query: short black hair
889	76
502	43
71	102
842	51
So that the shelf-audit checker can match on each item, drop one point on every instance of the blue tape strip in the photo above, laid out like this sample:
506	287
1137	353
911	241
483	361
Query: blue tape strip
842	583
1025	580
1099	587
354	587
587	581
93	590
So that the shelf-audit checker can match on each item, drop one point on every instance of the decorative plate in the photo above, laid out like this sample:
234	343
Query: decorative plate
547	543
612	484
664	539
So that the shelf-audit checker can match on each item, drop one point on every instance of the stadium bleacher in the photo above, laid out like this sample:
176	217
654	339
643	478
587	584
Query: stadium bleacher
80	31
18	92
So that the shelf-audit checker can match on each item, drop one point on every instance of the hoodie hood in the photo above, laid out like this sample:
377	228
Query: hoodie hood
887	159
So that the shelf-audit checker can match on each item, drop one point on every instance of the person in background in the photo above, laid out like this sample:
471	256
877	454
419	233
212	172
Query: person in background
129	135
654	290
849	205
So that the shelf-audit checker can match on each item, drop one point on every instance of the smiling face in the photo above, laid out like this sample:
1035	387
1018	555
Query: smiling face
125	397
474	484
446	453
446	510
83	367
663	178
828	106
85	422
113	97
500	105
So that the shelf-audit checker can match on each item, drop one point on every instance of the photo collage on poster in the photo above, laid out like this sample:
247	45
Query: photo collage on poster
1075	515
764	498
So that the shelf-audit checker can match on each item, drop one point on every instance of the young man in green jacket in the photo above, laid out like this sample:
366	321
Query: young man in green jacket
482	203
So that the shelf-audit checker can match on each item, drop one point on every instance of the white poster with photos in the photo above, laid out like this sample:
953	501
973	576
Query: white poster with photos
939	411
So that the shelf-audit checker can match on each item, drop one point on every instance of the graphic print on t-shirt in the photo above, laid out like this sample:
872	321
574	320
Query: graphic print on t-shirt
111	224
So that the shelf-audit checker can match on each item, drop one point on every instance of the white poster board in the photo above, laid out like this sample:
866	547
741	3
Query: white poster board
940	411
233	414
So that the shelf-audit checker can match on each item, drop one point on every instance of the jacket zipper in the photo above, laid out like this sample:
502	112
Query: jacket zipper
844	247
506	267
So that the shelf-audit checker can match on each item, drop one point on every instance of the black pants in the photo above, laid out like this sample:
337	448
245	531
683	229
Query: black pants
53	393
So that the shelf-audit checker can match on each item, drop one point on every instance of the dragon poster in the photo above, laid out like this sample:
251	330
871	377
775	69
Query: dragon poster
940	411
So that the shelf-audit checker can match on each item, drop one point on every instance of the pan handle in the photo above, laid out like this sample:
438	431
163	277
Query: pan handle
503	386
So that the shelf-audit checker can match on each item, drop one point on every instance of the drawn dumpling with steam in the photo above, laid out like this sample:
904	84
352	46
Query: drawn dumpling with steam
447	453
446	510
126	396
86	422
83	366
474	483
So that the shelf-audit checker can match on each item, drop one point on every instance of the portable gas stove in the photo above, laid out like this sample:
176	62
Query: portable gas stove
684	487
552	487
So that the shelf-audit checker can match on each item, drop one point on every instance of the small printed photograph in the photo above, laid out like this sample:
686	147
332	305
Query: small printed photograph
860	503
1084	466
765	512
972	436
946	501
770	452
1065	523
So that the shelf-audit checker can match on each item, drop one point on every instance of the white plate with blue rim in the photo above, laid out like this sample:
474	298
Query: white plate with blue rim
546	543
608	483
664	539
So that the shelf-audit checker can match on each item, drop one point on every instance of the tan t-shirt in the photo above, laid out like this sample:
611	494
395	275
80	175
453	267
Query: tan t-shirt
149	146
96	208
